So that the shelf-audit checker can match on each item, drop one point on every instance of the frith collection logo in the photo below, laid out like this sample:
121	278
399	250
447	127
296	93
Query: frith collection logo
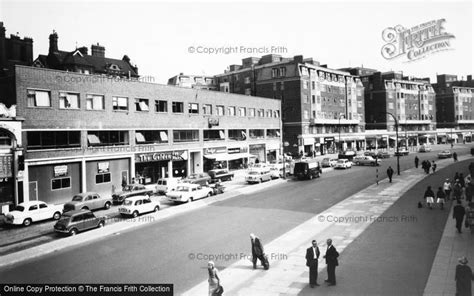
417	42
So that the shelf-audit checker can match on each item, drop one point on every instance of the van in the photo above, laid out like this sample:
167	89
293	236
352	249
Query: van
166	185
307	169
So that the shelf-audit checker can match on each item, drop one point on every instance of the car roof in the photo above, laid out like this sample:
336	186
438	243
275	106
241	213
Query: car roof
76	212
86	193
30	203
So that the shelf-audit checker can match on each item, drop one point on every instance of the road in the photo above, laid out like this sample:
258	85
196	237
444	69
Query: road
175	250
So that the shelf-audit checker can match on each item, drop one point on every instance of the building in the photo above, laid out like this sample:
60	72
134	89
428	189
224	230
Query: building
83	132
323	108
14	51
193	81
454	105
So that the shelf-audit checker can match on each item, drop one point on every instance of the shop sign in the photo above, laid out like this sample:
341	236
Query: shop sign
161	156
233	150
103	167
5	166
60	171
215	150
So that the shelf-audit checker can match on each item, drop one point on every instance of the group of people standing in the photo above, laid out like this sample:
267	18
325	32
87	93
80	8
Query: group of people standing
426	165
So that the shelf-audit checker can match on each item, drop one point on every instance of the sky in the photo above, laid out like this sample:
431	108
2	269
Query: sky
167	38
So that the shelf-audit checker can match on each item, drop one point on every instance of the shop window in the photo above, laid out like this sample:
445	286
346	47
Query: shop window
107	138
60	183
186	135
256	133
282	72
151	137
53	139
178	107
207	109
95	102
161	106
102	178
214	135
193	108
142	105
68	101
237	134
119	103
273	133
39	98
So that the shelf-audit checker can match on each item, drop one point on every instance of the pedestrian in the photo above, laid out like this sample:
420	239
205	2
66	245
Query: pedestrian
457	190
257	252
214	281
312	256
331	262
423	165
440	198
471	168
458	214
461	180
455	156
447	188
463	278
390	173
416	161
469	192
428	166
433	166
429	197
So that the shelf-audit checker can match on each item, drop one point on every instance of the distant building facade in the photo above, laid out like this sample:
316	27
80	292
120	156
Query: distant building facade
193	81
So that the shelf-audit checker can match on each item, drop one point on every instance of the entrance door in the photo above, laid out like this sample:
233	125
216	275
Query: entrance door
125	176
33	190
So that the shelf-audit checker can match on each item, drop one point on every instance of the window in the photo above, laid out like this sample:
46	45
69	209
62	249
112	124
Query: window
231	111
161	106
256	133
275	73
107	138
60	183
273	133
207	109
186	135
282	72
151	136
68	101
305	99
5	139
237	134
39	98
269	113
252	112
247	80
314	99
305	114
313	85
261	113
276	114
274	86
282	85
178	107
242	111
193	108
102	178
220	110
142	105
305	84
53	139
95	102
120	103
214	135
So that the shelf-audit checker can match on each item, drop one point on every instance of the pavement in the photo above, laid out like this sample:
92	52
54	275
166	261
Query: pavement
344	223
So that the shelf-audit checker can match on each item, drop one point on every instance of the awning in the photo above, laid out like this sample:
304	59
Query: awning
227	156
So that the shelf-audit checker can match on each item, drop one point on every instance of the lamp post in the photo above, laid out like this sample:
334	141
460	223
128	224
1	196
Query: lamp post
339	128
396	131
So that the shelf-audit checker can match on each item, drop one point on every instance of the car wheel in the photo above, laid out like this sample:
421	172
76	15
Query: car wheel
101	224
57	215
73	231
107	205
135	214
156	209
27	222
191	199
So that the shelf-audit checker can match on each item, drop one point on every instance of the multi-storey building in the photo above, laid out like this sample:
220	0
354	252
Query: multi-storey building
87	133
193	81
454	105
321	107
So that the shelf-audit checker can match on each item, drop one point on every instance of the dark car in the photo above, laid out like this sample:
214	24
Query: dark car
383	154
73	222
219	175
130	190
201	179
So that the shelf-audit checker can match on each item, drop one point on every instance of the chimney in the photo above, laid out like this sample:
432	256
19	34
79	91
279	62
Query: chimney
98	50
3	54
83	50
53	42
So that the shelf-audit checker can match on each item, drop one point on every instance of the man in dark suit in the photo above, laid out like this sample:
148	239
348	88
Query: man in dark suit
331	262
257	251
312	256
390	173
458	214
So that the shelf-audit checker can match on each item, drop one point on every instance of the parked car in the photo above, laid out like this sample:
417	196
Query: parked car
137	205
201	179
258	175
186	192
276	170
383	154
348	154
424	148
32	211
73	222
130	190
308	169
366	160
370	153
328	162
445	154
219	175
402	151
343	164
166	185
87	201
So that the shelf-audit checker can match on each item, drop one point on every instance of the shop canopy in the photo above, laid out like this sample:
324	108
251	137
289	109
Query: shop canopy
228	156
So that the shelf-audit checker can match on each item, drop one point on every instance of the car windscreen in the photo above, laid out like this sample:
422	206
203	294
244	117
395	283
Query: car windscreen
77	198
301	166
254	173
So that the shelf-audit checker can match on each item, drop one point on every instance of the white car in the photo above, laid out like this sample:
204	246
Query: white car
258	176
186	192
137	205
343	164
32	211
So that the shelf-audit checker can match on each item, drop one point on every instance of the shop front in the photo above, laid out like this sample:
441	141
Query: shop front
329	145
258	150
238	157
149	167
105	176
214	158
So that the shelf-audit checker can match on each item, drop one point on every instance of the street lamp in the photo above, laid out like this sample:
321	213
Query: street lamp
396	131
339	128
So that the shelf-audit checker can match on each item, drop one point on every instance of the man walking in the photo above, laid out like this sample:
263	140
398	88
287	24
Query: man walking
331	262
312	256
433	166
417	160
447	188
458	214
390	173
257	251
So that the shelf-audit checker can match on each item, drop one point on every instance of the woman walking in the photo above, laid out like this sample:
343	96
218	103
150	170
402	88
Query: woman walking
214	281
463	278
429	197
